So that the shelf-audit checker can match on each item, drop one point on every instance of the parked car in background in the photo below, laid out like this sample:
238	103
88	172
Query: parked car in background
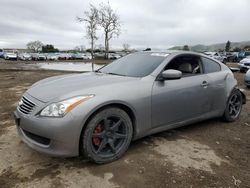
99	54
232	56
64	56
247	78
122	54
88	56
243	54
98	114
217	56
10	56
38	57
114	56
1	53
81	56
24	57
52	57
244	64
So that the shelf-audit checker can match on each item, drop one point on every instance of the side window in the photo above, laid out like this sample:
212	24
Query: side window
210	65
189	65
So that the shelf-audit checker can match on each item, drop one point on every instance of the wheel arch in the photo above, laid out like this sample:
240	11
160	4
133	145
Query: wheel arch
241	91
127	108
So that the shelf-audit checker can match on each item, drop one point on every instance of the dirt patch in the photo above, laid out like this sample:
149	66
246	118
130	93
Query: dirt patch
187	153
207	154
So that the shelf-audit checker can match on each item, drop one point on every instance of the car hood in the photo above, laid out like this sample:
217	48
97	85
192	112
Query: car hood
75	84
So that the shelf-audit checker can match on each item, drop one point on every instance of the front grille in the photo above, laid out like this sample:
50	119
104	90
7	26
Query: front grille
247	64
39	139
25	105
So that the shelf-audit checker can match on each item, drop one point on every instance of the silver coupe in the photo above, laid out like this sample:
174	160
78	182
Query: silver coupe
98	114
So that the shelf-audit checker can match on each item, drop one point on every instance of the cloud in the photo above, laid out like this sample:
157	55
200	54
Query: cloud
156	24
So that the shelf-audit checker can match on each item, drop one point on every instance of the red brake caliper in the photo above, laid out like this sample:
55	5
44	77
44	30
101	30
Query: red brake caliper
96	140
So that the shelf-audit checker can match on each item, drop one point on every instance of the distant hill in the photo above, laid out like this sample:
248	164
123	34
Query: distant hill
213	47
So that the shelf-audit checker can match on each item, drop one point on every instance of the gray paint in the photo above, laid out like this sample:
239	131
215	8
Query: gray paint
157	105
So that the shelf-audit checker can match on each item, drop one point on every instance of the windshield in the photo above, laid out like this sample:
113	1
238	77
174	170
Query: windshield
135	65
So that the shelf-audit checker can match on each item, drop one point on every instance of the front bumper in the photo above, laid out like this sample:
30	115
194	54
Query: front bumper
52	136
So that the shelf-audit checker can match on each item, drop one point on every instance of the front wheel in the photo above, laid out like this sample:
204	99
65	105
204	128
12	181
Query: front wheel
234	106
107	136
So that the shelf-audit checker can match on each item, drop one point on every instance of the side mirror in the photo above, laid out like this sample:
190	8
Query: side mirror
171	74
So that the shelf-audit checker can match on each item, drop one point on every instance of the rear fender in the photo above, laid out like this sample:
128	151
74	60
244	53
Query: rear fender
243	95
231	85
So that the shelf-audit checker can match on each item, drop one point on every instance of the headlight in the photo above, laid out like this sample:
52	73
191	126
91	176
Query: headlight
61	108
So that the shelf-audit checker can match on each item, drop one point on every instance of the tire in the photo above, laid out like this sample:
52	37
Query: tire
233	107
107	135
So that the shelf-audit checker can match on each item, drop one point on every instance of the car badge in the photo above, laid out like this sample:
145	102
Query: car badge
20	103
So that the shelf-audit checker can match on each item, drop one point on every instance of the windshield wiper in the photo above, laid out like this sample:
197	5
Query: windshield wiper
111	73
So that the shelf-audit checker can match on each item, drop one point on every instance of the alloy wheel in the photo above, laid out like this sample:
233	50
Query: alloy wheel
234	105
109	135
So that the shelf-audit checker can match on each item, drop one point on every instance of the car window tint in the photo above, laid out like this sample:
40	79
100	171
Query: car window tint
135	65
210	65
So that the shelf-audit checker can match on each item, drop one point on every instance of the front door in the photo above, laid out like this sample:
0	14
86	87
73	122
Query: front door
182	99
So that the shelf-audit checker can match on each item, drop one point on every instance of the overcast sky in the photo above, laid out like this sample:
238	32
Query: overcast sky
145	23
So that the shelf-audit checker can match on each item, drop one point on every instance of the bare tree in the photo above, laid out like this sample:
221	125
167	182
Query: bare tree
110	22
91	20
34	46
126	47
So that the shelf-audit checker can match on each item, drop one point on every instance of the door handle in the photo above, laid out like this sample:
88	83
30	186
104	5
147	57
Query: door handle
204	84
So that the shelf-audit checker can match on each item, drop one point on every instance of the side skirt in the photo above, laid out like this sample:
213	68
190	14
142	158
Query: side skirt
163	128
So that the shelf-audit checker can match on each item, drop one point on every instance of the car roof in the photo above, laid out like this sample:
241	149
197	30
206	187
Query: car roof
172	52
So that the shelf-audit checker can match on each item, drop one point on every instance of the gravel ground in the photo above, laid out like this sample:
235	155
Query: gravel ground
207	154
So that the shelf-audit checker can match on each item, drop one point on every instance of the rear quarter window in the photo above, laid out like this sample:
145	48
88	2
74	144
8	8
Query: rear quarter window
210	66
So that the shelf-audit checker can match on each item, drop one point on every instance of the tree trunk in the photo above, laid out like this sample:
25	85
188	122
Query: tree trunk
107	49
106	45
92	53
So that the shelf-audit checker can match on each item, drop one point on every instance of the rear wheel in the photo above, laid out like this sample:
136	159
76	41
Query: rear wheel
107	135
234	106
